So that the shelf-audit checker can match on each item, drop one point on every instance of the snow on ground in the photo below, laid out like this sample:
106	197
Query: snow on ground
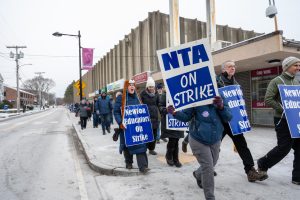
231	182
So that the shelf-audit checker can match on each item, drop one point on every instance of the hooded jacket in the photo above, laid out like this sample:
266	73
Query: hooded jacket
152	103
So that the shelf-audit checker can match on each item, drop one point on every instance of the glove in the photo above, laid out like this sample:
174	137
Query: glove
97	112
218	102
171	110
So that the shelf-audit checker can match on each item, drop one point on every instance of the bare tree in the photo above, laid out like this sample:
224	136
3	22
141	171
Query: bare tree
39	85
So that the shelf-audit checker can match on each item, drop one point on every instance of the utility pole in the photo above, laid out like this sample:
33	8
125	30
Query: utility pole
40	89
17	56
211	29
174	23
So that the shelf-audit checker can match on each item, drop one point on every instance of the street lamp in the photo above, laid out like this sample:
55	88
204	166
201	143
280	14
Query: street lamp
58	34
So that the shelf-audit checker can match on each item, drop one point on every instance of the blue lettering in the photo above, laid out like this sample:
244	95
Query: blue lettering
185	56
199	53
170	60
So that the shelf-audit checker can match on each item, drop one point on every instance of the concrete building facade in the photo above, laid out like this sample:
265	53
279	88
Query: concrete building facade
258	57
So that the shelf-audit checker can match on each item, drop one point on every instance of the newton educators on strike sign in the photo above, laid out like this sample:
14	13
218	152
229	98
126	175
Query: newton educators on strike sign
290	98
188	74
138	128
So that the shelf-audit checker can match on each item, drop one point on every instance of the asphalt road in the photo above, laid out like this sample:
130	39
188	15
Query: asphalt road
40	161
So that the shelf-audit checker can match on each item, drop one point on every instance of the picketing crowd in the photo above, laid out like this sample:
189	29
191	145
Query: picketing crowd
208	125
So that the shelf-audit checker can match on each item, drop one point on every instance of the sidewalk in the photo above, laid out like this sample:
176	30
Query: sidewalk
102	153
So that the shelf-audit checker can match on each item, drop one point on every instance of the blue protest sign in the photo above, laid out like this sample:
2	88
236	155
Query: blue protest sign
5	107
290	98
188	74
233	96
138	129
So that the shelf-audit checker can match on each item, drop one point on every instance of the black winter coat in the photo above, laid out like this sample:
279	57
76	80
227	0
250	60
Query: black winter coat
166	133
152	103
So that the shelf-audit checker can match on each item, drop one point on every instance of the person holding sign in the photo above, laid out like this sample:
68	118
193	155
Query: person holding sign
290	67
130	97
227	78
206	128
151	99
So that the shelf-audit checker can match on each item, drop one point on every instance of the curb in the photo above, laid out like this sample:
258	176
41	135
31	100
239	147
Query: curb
97	165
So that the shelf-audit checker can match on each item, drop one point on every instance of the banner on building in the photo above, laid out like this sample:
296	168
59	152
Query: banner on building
138	129
188	74
87	58
233	96
290	98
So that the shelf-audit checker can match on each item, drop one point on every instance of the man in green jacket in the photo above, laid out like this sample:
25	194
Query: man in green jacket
285	143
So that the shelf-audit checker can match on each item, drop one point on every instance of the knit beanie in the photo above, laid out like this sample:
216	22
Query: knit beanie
289	61
150	82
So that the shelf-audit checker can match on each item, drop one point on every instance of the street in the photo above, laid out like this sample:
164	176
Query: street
40	160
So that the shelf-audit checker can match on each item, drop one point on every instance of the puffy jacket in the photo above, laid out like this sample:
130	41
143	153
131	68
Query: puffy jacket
205	122
272	97
82	110
104	106
131	100
152	103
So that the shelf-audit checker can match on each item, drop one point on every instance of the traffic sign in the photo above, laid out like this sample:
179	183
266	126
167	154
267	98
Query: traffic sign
77	85
78	94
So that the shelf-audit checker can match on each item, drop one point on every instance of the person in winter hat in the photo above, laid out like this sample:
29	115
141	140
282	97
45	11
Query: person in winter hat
151	99
130	97
104	108
290	67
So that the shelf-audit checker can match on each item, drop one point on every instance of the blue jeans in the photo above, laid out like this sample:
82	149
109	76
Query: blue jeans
95	120
105	121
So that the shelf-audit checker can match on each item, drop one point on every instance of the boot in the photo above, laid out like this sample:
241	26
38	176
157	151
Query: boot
128	165
103	131
184	146
176	158
296	182
254	175
169	157
108	129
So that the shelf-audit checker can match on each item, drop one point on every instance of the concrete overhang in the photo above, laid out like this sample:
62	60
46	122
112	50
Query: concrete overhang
254	53
257	52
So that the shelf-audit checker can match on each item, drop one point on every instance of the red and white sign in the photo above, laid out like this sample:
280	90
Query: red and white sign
265	72
141	78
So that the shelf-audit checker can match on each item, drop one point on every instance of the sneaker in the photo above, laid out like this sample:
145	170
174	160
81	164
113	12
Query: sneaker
177	164
199	183
144	170
152	152
164	139
296	182
128	165
254	175
184	146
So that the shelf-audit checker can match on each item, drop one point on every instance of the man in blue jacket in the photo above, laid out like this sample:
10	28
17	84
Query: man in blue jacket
104	108
206	129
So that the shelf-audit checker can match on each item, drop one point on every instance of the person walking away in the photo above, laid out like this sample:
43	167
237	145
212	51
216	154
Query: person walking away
151	99
172	154
82	111
130	97
89	109
103	108
206	129
95	115
227	78
290	67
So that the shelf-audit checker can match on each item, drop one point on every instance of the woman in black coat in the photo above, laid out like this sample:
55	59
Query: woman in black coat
151	99
172	156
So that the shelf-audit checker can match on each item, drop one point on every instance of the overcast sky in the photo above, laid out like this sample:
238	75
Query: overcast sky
103	23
